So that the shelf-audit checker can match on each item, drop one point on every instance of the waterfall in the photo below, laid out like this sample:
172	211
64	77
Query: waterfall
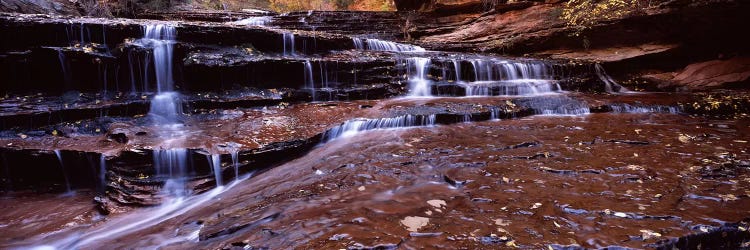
288	40
161	37
382	45
65	66
103	173
353	127
166	107
253	21
172	164
215	161
419	85
309	81
68	189
555	105
236	162
457	69
610	86
493	77
627	108
358	43
511	88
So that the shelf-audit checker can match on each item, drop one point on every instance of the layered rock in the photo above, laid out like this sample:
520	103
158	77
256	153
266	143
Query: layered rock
667	36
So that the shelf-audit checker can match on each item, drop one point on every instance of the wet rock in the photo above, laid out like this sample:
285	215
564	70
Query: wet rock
729	236
118	137
103	205
414	223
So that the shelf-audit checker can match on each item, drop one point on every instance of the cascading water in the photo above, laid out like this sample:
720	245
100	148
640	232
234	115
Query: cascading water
498	78
236	162
555	105
253	21
288	40
353	127
103	173
610	86
358	43
382	45
171	164
309	81
166	107
215	162
419	85
65	67
58	153
628	108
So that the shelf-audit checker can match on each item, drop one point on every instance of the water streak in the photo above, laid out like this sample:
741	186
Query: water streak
382	45
309	80
417	68
610	86
355	126
58	153
288	40
215	162
172	164
253	21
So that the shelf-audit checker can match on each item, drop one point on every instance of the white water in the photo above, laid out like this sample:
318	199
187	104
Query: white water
355	126
521	87
382	45
417	69
103	173
172	164
65	66
68	189
627	108
556	105
141	220
166	107
309	81
288	40
610	86
253	21
215	162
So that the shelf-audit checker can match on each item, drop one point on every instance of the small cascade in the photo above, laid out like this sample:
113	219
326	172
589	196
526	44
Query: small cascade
65	67
77	33
215	161
419	85
493	77
353	127
166	107
160	38
309	81
555	105
358	43
382	45
68	189
610	86
236	162
494	114
637	109
527	87
103	173
457	70
172	164
253	21
288	40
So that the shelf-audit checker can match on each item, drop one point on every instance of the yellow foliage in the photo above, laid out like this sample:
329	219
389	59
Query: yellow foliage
585	13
